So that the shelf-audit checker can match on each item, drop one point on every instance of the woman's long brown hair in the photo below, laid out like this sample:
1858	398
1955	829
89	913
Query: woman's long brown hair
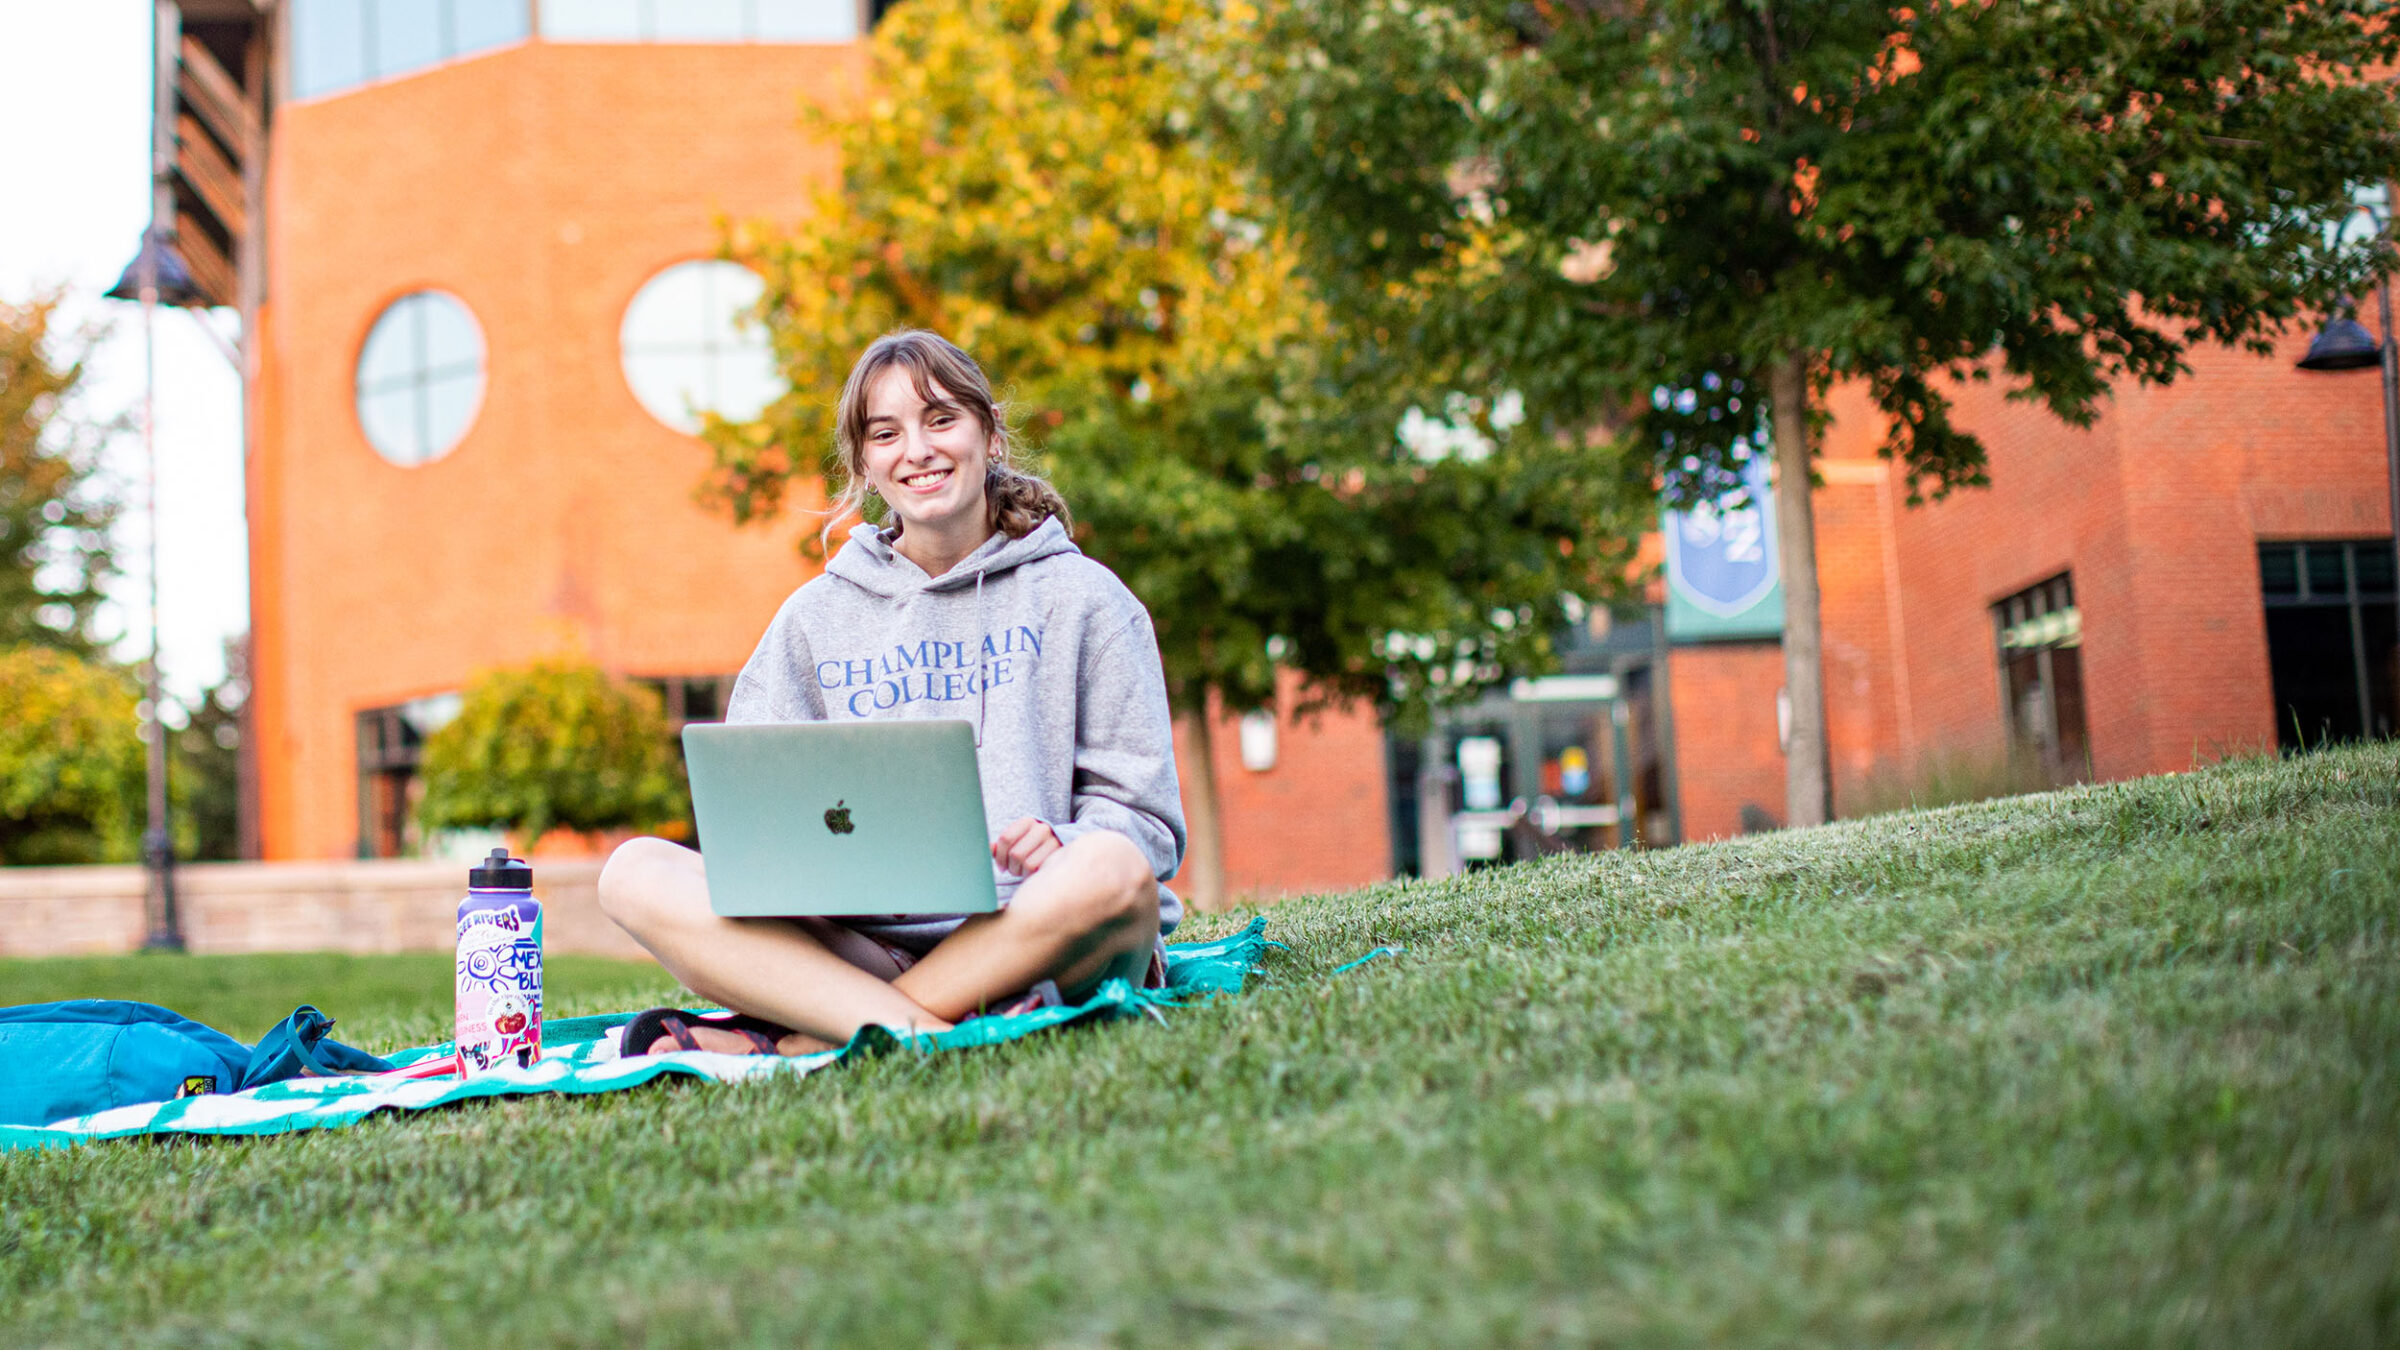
1017	501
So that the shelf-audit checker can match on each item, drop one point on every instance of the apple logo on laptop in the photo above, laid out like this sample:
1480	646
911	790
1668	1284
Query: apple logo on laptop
838	819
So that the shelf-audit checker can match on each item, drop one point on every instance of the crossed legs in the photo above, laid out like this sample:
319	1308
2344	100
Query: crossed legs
1089	912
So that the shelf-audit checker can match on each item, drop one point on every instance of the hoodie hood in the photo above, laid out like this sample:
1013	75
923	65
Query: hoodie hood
869	562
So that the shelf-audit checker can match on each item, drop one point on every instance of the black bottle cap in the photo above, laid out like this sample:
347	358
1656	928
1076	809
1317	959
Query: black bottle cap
501	872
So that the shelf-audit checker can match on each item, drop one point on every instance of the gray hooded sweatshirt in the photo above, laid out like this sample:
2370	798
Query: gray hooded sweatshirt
1041	648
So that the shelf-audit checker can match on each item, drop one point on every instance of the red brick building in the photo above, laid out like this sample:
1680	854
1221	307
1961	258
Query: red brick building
487	303
2205	571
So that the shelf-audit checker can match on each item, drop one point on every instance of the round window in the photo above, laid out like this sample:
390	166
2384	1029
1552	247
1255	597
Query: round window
689	348
420	377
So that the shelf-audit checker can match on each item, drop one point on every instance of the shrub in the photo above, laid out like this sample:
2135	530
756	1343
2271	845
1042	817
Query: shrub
552	744
71	761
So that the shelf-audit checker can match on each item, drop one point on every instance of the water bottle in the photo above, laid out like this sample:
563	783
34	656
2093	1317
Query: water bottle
499	967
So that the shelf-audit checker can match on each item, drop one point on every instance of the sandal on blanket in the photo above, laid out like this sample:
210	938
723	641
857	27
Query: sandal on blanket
1040	996
642	1034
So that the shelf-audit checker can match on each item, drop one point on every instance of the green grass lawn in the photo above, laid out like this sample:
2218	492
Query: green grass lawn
388	1001
2118	1065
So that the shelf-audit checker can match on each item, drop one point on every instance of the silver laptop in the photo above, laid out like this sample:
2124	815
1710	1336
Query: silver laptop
841	818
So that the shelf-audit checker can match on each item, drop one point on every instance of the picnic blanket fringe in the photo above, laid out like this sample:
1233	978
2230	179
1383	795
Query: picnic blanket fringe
580	1057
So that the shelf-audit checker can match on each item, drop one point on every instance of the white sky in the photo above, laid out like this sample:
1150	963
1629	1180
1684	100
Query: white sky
74	89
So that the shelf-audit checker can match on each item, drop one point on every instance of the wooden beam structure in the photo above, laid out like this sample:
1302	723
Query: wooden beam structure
211	174
219	100
211	270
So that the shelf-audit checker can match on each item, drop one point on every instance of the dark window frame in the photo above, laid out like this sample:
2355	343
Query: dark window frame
390	751
689	699
2041	627
2358	576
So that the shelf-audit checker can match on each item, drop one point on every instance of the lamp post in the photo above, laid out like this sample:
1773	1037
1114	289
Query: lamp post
2345	344
157	276
148	279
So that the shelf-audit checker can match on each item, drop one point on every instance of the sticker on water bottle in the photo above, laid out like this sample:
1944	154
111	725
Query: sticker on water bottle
499	973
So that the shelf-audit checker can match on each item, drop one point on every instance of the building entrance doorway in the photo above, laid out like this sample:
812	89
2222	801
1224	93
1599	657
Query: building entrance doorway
2040	634
2330	640
1573	762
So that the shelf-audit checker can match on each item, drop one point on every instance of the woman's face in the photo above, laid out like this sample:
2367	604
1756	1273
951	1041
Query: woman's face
926	459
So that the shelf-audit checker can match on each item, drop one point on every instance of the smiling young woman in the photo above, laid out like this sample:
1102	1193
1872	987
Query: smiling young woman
1058	670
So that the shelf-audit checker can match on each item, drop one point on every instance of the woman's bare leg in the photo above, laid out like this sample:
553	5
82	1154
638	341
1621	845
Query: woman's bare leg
769	968
1089	912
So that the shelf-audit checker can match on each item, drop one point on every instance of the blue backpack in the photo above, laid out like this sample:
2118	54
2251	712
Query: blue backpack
59	1060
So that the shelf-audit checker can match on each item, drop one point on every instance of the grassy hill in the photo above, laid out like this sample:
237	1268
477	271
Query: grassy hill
2114	1065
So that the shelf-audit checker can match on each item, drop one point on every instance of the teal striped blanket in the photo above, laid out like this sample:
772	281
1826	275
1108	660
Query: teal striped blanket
580	1056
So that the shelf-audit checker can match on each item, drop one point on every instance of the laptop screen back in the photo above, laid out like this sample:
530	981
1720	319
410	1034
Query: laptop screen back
841	818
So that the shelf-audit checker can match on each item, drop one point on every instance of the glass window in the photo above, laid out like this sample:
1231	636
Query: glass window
807	20
420	378
688	699
2279	572
2326	574
2332	656
391	746
688	348
329	46
476	25
594	20
2377	570
408	35
701	20
2040	632
341	44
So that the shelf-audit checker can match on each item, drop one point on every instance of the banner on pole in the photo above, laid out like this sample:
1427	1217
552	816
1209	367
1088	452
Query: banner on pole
1723	580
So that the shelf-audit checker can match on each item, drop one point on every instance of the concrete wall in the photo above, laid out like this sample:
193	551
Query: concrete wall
273	907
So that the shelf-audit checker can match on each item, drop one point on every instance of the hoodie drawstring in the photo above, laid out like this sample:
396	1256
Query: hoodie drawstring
983	678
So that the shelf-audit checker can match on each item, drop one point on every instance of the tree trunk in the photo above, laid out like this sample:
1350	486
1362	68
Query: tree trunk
1808	764
1203	879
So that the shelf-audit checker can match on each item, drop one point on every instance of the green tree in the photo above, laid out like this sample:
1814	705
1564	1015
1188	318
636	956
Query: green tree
1028	177
552	744
1732	204
54	549
71	760
207	778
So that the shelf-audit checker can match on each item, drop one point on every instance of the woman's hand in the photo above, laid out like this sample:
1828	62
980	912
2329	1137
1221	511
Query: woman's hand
1024	846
